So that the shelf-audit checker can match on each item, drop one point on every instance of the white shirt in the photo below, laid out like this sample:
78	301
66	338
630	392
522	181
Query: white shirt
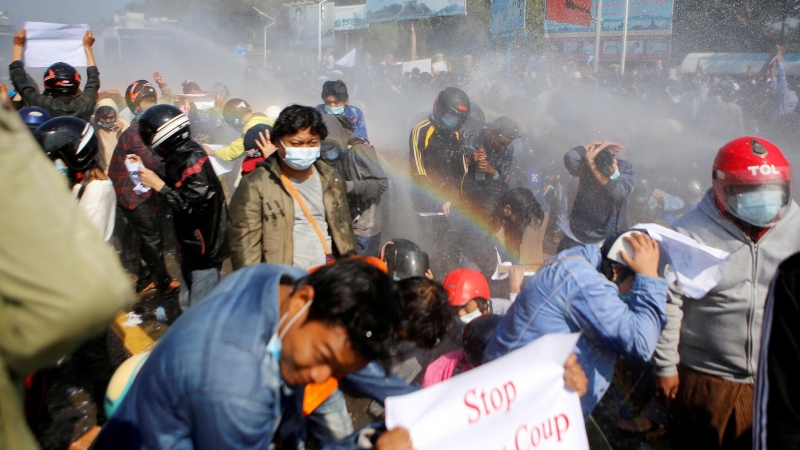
99	202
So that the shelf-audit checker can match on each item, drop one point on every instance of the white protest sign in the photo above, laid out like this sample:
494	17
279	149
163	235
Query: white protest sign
698	267
424	65
203	102
517	402
440	66
136	177
49	43
220	166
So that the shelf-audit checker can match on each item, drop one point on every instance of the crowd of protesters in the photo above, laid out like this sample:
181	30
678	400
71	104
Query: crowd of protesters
329	292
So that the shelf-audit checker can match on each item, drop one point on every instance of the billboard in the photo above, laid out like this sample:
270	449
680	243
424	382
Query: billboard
578	12
303	25
389	10
649	32
508	16
351	18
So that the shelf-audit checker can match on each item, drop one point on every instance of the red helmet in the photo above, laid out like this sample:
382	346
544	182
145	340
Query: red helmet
752	180
462	285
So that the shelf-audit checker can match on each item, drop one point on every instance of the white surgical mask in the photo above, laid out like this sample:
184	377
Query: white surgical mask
300	158
467	318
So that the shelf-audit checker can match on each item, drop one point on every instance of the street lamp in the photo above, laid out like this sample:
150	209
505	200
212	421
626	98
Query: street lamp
319	30
265	33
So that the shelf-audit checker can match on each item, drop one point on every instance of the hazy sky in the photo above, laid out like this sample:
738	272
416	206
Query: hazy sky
61	11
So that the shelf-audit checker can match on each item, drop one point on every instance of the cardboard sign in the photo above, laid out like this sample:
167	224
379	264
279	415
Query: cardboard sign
517	402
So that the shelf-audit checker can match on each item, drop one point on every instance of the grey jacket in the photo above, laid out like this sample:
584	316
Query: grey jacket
364	177
720	334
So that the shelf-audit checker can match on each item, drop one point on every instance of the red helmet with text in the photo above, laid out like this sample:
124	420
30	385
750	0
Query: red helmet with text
752	180
462	285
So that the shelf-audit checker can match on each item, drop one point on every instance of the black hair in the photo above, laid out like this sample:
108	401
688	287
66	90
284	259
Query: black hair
523	203
189	86
361	298
605	162
335	88
295	118
427	314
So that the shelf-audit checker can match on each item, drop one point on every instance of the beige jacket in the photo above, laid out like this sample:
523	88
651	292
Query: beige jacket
107	139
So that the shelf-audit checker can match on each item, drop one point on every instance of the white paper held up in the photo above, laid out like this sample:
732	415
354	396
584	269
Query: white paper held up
698	267
515	402
220	166
49	43
136	177
440	66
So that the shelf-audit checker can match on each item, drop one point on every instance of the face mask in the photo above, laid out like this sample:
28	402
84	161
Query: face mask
450	121
106	125
300	158
331	154
336	111
760	207
275	344
467	318
61	168
614	176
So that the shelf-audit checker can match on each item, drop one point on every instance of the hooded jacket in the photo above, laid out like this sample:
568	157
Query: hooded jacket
365	180
720	334
198	203
437	159
81	106
107	139
262	216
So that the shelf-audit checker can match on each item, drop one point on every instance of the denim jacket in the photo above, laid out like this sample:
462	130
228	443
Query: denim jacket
210	383
569	294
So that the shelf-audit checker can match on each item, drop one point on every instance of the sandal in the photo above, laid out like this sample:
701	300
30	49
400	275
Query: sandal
173	287
146	287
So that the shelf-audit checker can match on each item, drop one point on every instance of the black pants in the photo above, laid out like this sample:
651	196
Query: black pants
143	221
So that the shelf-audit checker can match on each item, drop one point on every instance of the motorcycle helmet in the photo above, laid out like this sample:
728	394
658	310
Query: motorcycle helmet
164	128
69	139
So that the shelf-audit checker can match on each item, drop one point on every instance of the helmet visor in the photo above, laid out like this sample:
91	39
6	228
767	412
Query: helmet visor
759	205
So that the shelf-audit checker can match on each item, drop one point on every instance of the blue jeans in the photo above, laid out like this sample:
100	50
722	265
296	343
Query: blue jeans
331	421
195	284
368	245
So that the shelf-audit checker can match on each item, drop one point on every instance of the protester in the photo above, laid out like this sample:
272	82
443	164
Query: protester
62	96
365	182
605	184
615	296
277	329
60	284
72	145
292	209
128	114
708	355
137	205
775	424
195	194
404	259
240	117
336	101
490	154
437	155
469	294
257	147
108	128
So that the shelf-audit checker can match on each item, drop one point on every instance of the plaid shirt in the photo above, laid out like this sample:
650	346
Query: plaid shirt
131	144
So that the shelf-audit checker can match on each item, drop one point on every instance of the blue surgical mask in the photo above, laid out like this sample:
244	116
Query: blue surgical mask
467	318
614	176
339	110
61	168
300	158
332	153
450	121
759	207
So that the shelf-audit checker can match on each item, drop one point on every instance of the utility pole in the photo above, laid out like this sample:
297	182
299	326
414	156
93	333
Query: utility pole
319	31
598	27
625	36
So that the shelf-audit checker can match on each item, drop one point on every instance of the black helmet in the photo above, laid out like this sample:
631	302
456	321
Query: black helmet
451	108
163	128
70	139
477	335
234	112
614	244
404	259
61	78
33	116
138	91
